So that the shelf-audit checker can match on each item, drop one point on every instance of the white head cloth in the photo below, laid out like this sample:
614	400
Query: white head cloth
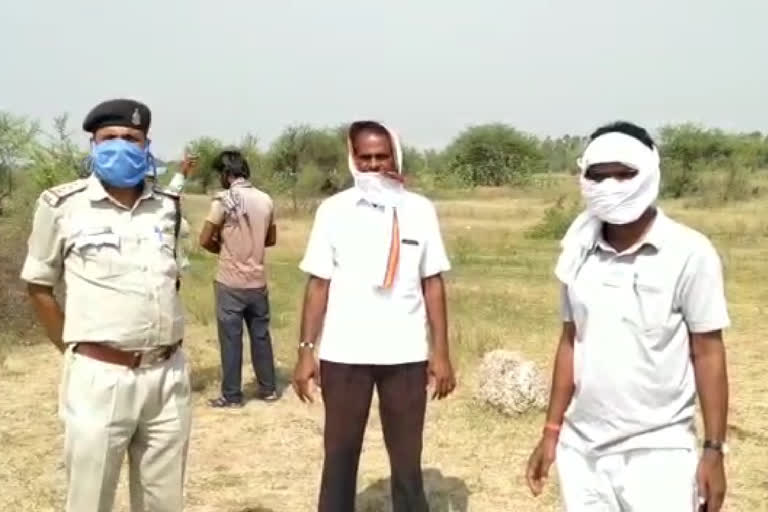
384	192
612	201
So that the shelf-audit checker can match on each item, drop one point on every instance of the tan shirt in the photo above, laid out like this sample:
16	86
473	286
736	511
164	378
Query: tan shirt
117	264
245	214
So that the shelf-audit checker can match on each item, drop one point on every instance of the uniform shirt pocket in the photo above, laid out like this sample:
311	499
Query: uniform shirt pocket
651	305
99	251
409	268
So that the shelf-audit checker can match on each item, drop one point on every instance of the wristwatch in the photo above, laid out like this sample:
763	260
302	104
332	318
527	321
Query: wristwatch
717	446
306	344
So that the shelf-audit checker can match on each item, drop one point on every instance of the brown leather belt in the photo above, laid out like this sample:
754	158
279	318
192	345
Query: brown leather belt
131	359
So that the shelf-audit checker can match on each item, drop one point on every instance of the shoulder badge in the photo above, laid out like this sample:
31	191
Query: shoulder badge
166	192
55	195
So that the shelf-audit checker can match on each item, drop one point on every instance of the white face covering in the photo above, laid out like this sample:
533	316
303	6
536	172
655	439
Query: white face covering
375	187
611	200
614	201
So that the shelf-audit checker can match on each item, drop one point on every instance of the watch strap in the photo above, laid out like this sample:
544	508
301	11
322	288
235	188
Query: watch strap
718	446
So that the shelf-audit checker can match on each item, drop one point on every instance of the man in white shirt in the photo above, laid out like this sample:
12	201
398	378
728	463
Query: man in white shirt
375	260
643	309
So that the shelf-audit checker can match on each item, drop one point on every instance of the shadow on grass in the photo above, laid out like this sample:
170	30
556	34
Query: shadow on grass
444	494
204	378
283	377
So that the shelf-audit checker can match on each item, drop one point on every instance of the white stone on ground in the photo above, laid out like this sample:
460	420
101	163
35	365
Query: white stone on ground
510	383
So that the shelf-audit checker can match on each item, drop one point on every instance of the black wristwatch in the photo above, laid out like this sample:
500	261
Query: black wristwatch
717	446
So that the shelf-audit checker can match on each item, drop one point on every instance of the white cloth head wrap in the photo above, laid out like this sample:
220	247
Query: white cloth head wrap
610	200
379	190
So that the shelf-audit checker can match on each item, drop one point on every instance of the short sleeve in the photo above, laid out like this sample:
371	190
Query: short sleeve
434	258
566	313
176	185
216	213
702	292
44	263
318	257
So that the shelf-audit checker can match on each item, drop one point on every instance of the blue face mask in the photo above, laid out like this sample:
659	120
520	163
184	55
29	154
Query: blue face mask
120	163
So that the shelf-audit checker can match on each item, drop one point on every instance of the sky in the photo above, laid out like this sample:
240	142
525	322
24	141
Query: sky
428	68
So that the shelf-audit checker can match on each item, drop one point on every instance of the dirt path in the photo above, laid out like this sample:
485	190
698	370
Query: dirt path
263	458
267	457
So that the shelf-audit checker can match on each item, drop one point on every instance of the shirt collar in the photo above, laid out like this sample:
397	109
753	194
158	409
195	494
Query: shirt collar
96	191
656	236
240	182
359	199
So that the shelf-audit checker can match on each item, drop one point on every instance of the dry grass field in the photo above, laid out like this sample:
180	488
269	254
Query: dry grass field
502	294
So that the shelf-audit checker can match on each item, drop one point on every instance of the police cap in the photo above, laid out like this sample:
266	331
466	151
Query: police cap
118	112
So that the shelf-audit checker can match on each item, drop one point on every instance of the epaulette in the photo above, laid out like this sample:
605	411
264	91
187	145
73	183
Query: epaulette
166	192
55	195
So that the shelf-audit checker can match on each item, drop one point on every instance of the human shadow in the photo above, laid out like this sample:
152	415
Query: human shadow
444	494
202	378
283	377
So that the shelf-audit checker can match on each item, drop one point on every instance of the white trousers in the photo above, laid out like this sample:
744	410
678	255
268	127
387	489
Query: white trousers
659	480
110	410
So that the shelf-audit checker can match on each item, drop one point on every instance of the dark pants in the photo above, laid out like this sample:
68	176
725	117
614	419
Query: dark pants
347	392
233	306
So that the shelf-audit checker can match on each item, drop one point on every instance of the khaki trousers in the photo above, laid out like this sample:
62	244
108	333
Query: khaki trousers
111	410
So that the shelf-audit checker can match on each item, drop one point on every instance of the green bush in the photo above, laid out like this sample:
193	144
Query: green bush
734	183
679	179
557	219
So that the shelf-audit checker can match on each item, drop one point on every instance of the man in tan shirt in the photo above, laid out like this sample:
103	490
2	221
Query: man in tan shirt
239	226
113	240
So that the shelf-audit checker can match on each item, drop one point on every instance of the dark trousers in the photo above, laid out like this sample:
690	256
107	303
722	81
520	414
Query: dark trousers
347	392
233	306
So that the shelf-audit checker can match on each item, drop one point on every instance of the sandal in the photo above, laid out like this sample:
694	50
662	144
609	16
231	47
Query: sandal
222	402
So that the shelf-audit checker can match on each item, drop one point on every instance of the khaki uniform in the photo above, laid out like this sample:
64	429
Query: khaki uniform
120	269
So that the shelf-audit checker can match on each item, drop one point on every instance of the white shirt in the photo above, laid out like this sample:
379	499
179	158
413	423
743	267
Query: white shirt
364	324
633	373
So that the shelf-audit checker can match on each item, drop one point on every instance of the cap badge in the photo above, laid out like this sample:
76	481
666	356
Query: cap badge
136	117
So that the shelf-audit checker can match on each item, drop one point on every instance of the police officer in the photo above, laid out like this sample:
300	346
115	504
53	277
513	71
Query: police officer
111	238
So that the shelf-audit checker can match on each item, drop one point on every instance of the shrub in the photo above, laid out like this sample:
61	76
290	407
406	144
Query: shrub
557	219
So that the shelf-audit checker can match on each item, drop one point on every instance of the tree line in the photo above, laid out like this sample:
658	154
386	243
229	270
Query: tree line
306	162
